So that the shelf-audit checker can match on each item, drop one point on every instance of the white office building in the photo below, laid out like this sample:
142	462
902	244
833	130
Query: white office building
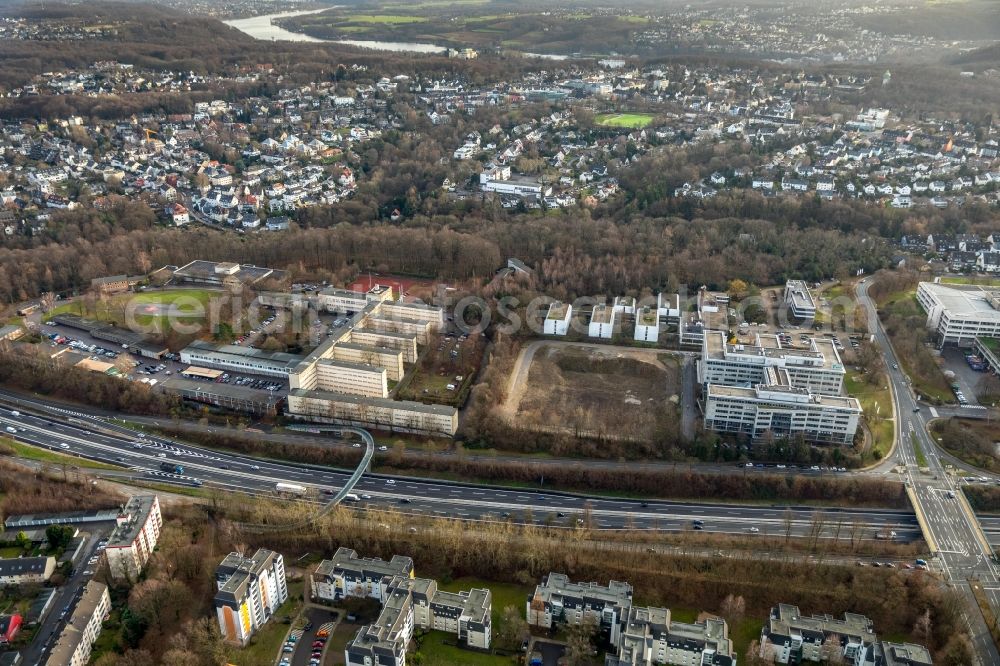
602	322
799	301
958	314
557	319
647	325
776	407
818	368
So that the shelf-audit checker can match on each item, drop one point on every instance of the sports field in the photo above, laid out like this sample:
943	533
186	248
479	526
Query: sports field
630	120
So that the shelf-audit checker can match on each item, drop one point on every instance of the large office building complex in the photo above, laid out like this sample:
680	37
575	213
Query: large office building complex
788	637
958	314
640	636
407	603
74	645
250	590
132	541
345	380
765	388
817	368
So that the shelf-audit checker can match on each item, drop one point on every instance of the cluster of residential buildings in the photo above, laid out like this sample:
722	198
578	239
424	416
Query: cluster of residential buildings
789	637
408	603
639	636
847	33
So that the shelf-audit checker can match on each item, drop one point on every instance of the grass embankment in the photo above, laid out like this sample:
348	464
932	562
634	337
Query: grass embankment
30	452
876	404
904	321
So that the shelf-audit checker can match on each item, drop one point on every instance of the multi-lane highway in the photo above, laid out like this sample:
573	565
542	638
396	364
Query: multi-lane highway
141	456
952	531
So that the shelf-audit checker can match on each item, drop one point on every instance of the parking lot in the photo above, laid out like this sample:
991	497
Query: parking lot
965	380
147	370
310	642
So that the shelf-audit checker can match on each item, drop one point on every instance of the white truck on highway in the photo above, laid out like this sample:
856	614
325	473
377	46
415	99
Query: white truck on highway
290	488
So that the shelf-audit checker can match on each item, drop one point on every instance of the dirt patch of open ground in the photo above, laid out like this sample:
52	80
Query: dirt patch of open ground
600	392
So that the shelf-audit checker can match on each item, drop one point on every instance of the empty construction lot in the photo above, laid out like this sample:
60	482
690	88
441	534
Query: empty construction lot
594	391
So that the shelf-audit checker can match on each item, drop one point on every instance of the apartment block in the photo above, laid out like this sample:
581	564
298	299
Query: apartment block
74	645
407	602
647	325
793	638
557	319
602	322
958	314
249	591
559	600
799	301
776	407
818	368
347	575
132	542
650	637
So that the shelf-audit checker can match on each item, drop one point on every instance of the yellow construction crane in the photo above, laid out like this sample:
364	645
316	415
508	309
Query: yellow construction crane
149	135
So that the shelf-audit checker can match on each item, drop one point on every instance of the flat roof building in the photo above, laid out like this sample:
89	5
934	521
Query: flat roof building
345	379
958	314
647	324
240	359
132	542
776	407
227	396
227	274
818	368
557	318
800	302
602	322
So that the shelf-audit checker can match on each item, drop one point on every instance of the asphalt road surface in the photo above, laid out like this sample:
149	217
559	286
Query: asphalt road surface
953	531
142	457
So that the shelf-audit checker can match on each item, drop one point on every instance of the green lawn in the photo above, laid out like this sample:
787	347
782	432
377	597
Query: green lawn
436	653
44	455
504	594
876	403
338	641
266	643
971	279
628	120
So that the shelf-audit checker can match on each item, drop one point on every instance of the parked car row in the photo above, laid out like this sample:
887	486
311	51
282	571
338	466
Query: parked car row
249	382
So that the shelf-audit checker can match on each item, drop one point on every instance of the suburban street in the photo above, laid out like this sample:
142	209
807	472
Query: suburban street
953	533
